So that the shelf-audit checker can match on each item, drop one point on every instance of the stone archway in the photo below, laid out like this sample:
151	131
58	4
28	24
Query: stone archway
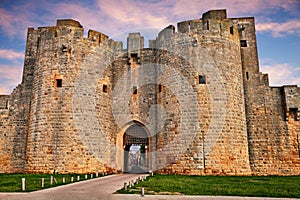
136	148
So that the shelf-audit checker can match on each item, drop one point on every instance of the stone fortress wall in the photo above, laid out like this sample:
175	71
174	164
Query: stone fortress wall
197	92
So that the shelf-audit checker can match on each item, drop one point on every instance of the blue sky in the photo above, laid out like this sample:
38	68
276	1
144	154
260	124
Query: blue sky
277	27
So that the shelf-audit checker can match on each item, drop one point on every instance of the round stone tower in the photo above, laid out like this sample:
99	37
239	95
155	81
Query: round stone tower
202	63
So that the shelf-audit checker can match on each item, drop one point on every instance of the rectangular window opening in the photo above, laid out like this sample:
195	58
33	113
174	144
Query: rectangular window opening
247	75
159	88
104	88
231	30
243	43
58	82
134	90
202	79
134	57
293	113
64	48
7	104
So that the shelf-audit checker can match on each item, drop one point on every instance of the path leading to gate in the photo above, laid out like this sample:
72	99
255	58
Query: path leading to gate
103	189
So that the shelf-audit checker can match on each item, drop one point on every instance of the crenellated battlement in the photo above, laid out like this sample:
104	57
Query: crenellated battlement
292	101
68	22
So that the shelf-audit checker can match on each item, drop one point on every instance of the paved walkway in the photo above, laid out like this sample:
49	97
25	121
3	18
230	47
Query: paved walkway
99	188
103	189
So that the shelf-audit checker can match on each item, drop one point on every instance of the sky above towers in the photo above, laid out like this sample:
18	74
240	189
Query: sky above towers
277	27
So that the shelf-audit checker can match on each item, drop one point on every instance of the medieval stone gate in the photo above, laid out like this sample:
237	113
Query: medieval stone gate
84	102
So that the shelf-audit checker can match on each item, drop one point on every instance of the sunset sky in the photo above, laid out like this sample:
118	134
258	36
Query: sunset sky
277	27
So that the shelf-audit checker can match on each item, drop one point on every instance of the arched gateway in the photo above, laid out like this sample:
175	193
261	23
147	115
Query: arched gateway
136	147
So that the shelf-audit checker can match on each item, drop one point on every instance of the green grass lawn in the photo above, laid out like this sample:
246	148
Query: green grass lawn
13	182
267	186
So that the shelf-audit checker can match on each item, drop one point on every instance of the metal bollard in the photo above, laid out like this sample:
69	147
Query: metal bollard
143	192
23	184
43	182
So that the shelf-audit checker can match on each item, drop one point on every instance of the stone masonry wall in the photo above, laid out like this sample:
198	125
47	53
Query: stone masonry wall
272	139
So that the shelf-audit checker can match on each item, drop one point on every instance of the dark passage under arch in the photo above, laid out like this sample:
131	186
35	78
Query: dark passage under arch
136	144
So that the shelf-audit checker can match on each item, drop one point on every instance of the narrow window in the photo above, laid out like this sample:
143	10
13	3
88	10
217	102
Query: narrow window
243	43
247	75
231	30
104	88
134	90
58	82
159	88
207	25
202	79
7	104
293	113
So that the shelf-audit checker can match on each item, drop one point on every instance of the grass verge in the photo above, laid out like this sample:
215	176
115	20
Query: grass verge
13	182
267	186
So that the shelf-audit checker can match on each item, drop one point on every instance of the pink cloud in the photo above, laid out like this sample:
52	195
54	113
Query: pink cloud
236	8
4	90
86	16
10	77
16	21
280	29
281	74
118	15
11	54
7	22
128	14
